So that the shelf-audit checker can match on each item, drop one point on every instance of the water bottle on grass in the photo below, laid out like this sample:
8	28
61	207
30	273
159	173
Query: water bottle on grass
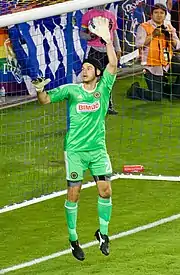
2	94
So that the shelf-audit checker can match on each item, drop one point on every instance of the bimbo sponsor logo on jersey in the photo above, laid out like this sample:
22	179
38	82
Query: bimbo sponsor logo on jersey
88	107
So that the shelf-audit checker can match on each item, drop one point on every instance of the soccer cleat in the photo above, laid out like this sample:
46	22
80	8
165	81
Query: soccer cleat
103	242
77	250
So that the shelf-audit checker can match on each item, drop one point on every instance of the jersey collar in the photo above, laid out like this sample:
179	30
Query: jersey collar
89	92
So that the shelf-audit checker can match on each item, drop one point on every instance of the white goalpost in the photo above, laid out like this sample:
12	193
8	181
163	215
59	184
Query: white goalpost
52	10
31	136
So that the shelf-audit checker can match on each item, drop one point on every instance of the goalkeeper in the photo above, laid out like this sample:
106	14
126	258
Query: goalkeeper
85	146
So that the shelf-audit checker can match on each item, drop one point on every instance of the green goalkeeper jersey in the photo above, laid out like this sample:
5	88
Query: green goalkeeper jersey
87	113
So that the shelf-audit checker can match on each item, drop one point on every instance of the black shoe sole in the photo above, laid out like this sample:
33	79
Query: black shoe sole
77	251
79	259
104	252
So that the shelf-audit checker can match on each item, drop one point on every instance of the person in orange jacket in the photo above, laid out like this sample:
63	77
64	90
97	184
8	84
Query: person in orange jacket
156	43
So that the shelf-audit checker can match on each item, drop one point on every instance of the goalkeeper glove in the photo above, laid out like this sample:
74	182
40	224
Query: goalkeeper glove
100	27
39	83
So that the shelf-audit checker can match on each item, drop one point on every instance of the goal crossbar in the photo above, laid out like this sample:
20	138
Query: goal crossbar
47	11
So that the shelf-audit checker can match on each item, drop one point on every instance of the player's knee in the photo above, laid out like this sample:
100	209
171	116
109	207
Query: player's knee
105	190
74	189
104	185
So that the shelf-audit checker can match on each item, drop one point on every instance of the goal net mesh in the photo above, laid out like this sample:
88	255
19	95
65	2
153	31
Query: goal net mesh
8	7
31	136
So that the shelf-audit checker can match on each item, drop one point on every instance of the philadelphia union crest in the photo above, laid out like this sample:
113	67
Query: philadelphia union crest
97	94
74	175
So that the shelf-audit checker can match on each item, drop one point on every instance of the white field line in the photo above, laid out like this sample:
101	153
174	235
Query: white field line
113	237
8	208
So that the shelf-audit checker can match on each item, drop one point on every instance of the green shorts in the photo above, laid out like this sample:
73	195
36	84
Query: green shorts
77	163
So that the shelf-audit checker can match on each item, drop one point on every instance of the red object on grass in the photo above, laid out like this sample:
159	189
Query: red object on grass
133	168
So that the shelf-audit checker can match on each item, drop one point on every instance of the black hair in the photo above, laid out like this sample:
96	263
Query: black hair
159	6
96	63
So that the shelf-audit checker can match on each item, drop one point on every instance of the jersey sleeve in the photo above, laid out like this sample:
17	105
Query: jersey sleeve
115	25
84	22
141	35
59	94
108	79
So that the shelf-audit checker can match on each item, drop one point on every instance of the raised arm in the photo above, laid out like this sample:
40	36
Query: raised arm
112	65
100	27
42	96
116	44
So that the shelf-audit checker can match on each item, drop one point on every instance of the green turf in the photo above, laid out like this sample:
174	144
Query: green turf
137	255
31	164
31	136
31	151
40	230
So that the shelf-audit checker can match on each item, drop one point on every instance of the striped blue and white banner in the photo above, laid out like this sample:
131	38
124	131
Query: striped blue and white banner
56	50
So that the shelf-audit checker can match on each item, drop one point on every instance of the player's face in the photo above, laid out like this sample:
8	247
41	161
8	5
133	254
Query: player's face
88	73
158	16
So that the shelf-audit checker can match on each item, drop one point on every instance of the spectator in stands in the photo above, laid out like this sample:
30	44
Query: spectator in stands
169	4
156	43
96	48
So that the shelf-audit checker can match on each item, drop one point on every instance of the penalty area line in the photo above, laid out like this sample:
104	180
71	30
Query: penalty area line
113	237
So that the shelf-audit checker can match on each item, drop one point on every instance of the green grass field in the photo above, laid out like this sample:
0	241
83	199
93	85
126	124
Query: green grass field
40	230
32	164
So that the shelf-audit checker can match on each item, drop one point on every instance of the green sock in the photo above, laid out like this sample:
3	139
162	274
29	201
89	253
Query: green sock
104	212
71	217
